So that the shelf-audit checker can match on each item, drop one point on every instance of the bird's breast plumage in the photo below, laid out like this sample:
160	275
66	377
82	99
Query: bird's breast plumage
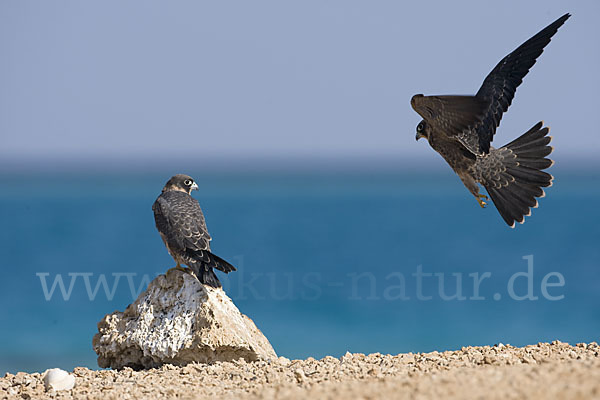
455	154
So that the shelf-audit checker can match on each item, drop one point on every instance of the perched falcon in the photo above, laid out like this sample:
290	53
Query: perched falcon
461	128
181	225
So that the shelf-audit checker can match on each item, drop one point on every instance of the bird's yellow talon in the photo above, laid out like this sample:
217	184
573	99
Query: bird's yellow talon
480	198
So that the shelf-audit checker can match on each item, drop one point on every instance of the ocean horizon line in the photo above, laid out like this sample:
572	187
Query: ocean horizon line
228	164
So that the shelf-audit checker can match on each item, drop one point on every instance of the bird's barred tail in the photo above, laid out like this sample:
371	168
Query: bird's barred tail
206	275
204	265
515	188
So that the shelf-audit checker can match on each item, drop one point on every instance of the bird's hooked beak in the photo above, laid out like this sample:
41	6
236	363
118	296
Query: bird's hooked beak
194	186
419	136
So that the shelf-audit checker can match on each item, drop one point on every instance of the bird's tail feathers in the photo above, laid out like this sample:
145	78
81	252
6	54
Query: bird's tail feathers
205	274
221	264
203	265
515	190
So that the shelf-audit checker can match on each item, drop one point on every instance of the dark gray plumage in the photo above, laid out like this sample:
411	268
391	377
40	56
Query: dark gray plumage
461	128
181	225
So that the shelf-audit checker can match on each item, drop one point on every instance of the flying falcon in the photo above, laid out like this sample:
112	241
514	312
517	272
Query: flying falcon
460	129
181	225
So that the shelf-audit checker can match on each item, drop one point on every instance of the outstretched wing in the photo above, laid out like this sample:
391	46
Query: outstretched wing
498	88
454	116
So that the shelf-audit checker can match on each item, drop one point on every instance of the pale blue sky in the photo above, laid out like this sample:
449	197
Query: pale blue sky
89	80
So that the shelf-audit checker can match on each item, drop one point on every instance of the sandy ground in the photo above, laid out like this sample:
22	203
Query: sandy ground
545	371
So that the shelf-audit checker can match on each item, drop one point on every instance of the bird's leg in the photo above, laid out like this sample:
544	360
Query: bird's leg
179	267
471	184
480	198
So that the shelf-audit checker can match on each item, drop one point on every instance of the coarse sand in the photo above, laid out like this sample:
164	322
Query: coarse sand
546	371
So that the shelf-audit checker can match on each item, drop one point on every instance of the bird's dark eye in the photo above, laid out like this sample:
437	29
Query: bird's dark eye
420	127
188	182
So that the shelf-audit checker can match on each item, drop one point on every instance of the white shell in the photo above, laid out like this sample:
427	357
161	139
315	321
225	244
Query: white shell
58	379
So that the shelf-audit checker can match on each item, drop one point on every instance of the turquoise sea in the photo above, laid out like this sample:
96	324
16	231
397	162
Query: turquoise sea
327	262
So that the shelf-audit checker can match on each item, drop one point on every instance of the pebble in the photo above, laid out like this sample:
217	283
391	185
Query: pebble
298	379
58	379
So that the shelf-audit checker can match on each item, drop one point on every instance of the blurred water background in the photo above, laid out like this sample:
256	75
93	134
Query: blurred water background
303	242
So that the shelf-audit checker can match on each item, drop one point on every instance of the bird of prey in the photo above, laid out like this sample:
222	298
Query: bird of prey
460	129
181	225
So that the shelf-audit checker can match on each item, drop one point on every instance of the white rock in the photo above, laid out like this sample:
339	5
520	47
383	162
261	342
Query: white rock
177	320
58	379
284	361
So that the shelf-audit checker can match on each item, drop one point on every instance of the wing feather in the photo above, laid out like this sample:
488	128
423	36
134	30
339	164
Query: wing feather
454	116
499	87
180	219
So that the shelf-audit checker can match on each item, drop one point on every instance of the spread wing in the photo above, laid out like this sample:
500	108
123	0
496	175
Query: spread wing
454	116
498	88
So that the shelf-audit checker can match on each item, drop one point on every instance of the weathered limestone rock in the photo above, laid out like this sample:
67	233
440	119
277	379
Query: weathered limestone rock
177	320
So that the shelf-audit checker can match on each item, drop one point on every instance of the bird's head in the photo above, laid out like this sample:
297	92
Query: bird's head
181	183
422	130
